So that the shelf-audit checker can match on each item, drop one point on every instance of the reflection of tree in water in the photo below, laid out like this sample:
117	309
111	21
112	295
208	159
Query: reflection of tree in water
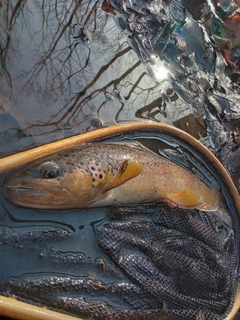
7	21
69	77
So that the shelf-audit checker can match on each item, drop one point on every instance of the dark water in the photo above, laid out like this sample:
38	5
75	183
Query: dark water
67	68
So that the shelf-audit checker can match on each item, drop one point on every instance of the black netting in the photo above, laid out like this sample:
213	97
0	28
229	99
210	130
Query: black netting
183	261
157	262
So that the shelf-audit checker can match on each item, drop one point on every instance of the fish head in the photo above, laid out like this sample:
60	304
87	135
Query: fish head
59	182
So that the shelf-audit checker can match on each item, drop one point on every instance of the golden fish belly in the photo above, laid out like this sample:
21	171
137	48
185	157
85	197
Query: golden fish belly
161	182
174	185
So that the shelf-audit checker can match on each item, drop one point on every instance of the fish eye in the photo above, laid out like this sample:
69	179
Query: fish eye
49	170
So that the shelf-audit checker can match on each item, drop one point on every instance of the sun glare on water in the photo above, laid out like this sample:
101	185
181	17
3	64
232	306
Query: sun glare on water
159	70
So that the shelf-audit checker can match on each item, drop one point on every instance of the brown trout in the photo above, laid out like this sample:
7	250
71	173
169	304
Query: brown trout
98	175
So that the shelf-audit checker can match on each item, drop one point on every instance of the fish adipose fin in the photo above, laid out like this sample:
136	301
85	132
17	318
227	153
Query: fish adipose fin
186	199
128	170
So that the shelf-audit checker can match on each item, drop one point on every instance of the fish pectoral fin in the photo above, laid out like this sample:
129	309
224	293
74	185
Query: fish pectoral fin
186	199
128	170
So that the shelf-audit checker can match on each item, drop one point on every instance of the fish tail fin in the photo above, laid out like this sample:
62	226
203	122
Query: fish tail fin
222	213
193	200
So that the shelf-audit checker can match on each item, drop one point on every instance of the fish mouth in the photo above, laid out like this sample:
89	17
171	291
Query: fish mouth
35	198
27	197
23	187
9	191
40	194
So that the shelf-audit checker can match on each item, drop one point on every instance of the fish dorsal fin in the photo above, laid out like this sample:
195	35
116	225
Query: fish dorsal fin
127	170
186	199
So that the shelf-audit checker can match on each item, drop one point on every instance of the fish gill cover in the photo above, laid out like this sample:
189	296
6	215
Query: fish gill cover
140	262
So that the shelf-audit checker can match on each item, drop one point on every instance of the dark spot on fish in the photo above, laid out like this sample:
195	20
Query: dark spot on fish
123	167
100	176
93	179
70	163
86	170
81	163
93	169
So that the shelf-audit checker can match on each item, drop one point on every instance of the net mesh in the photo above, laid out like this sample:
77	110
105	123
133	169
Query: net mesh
177	259
177	264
